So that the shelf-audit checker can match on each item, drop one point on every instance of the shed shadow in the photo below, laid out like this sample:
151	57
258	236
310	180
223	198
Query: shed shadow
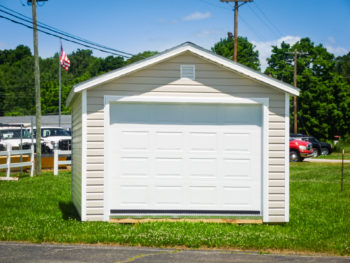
68	211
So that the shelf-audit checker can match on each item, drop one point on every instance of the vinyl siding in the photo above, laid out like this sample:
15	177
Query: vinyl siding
163	80
76	153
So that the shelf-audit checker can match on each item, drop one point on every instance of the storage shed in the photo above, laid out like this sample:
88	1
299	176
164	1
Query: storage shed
185	132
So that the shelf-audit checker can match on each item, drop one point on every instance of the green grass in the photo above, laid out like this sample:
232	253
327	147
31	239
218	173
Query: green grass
335	156
39	210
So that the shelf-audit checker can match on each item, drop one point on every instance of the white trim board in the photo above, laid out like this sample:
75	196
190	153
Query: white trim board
206	54
286	159
177	99
84	154
264	102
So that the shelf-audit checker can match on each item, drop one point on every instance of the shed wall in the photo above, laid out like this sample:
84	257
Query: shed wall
76	153
163	79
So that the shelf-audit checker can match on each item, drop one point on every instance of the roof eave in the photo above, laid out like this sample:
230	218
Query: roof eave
250	73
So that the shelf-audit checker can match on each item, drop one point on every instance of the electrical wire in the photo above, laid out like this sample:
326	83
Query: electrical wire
58	31
267	19
66	39
212	4
251	28
271	29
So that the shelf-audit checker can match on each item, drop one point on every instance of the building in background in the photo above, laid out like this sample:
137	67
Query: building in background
46	121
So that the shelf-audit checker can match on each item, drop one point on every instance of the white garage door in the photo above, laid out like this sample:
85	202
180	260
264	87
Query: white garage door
168	158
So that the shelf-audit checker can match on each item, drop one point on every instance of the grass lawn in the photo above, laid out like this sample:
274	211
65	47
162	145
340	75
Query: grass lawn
39	210
335	155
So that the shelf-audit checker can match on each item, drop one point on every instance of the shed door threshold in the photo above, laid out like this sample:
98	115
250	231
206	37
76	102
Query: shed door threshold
182	212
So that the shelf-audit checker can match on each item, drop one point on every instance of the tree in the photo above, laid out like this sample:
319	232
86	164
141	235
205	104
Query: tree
343	66
17	81
246	53
324	100
140	56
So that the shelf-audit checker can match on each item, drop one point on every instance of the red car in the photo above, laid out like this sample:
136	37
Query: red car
298	150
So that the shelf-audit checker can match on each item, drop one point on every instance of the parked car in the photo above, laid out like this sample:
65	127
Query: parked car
12	137
320	148
55	135
298	150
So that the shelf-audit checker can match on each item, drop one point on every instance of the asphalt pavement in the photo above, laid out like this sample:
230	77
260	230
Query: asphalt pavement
11	252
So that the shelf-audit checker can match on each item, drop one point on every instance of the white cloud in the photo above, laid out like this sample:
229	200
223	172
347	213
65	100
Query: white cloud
197	16
331	40
337	51
265	48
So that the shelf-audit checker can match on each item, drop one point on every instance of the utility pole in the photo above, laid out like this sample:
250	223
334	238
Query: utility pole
296	53
37	88
236	24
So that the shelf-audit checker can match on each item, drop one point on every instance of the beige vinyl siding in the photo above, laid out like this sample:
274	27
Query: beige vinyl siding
163	80
76	154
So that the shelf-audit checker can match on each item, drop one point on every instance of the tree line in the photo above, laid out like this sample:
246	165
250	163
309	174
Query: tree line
324	80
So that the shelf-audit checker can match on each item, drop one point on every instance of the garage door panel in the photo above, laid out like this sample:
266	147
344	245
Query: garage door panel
236	142
203	141
168	140
165	167
203	196
184	157
172	196
132	196
236	168
133	140
130	113
133	166
235	196
201	114
203	167
240	115
168	114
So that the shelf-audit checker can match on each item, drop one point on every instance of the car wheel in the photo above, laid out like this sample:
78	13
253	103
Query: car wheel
315	153
324	151
294	156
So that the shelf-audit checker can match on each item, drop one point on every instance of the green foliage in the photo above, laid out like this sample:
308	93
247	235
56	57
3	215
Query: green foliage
17	79
246	55
343	66
140	56
324	100
38	209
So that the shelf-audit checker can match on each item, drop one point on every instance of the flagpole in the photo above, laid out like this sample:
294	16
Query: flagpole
59	86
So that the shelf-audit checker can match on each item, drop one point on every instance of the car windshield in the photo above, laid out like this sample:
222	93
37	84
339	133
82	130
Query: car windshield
313	139
14	134
49	132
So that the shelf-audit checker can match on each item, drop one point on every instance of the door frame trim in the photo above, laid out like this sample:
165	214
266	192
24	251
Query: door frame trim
264	102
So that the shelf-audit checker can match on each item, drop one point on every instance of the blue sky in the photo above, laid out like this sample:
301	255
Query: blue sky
139	25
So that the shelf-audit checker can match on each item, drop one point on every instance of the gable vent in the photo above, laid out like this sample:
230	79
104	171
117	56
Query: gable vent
188	71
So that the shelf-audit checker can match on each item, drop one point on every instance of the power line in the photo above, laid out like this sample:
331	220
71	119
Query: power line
63	33
217	6
263	21
66	39
251	28
267	19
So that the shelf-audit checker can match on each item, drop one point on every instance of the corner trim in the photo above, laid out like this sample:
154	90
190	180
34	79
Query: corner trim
106	209
265	163
286	158
83	152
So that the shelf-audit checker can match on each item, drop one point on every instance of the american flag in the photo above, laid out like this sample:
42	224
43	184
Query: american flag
64	60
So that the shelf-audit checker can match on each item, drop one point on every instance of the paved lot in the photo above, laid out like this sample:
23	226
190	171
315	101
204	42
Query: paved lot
22	252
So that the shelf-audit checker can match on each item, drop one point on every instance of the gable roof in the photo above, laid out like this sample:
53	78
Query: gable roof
193	48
